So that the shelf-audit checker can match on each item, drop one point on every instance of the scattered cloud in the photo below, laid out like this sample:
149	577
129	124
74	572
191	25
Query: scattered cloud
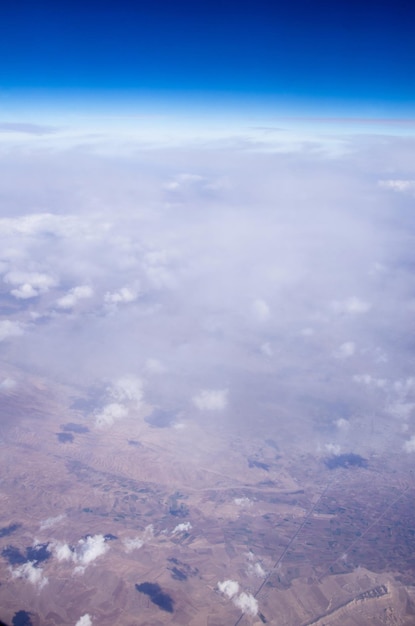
135	543
122	296
76	294
261	310
399	185
10	328
83	553
29	284
409	446
127	393
128	389
352	306
346	350
332	448
7	384
221	290
110	414
229	588
244	601
154	366
31	572
85	620
211	399
243	502
50	522
184	527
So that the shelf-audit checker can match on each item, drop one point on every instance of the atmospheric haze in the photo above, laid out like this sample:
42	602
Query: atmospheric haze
207	373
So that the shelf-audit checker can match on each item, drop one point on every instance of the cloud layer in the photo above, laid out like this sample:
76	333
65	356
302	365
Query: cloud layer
261	285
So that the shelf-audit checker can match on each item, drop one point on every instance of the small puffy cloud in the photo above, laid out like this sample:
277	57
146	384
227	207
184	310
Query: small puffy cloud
86	551
154	366
401	410
244	502
332	448
63	552
184	181
307	332
10	328
261	310
28	571
7	384
211	399
184	527
51	521
110	414
342	424
229	588
127	389
256	569
346	350
266	349
353	306
122	296
246	603
398	184
135	543
367	379
409	446
81	292
85	620
29	284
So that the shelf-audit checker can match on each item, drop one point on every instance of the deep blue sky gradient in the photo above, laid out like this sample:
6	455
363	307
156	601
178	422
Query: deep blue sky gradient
348	51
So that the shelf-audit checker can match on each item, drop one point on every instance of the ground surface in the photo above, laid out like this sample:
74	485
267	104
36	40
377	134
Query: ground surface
175	510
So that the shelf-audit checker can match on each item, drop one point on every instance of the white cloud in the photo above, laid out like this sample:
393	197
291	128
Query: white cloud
246	603
229	588
52	521
122	296
244	502
128	389
267	350
332	448
367	379
85	620
409	446
398	184
28	571
211	399
84	553
181	528
346	350
7	384
353	306
29	284
110	414
135	543
307	332
76	294
261	310
154	366
10	328
342	424
256	569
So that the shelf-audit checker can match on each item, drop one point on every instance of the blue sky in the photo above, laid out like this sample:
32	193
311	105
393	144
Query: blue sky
343	54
